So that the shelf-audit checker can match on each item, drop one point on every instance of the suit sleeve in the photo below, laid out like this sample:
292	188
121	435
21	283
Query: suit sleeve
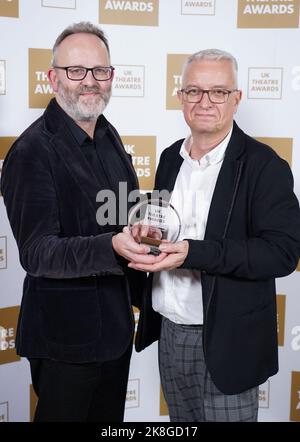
32	206
273	248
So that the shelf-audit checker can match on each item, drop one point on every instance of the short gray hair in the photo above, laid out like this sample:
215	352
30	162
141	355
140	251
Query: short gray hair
213	54
77	28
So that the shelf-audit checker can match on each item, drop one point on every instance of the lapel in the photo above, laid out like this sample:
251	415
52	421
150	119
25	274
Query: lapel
226	187
72	156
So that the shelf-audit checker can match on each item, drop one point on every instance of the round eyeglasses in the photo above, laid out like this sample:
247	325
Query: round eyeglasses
215	96
78	73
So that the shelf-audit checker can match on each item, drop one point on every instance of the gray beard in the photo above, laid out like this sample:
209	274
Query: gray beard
70	103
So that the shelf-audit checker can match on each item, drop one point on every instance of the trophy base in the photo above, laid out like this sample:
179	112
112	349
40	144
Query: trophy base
152	243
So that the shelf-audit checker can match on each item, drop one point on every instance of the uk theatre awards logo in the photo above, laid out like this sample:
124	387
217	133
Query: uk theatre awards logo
3	252
4	412
265	83
60	4
143	153
268	14
198	7
8	324
129	12
133	394
281	299
282	146
5	144
174	79
295	397
9	8
40	90
129	81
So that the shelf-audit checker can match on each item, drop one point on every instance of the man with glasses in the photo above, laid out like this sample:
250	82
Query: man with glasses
76	322
213	295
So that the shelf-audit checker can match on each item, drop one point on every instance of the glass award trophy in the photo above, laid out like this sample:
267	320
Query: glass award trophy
153	221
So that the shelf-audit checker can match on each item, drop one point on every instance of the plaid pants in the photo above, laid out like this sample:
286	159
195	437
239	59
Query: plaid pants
189	391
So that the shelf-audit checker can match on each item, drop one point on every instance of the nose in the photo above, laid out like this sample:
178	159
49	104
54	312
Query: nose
205	101
89	79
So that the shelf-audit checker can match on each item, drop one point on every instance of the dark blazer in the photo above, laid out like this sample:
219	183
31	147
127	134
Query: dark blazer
252	237
77	297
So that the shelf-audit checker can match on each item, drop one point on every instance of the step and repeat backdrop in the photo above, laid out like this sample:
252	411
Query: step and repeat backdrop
149	41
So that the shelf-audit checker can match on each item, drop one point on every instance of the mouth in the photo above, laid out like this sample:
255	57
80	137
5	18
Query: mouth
209	116
89	94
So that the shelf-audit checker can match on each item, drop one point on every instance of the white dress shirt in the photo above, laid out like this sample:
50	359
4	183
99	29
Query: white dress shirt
177	294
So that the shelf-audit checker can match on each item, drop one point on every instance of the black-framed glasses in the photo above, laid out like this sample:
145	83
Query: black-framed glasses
216	96
78	73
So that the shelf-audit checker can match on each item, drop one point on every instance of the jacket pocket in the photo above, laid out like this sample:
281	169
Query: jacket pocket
69	315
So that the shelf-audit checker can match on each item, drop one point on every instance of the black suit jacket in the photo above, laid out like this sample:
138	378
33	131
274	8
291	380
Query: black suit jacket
252	237
77	298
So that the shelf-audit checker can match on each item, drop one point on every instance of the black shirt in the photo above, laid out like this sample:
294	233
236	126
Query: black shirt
103	158
101	153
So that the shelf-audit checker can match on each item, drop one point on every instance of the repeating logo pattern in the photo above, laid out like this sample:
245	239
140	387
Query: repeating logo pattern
129	81
5	145
174	78
283	146
143	152
281	319
9	8
33	402
61	4
129	12
133	394
268	14
3	252
264	395
265	83
40	90
8	324
198	7
163	407
4	412
295	397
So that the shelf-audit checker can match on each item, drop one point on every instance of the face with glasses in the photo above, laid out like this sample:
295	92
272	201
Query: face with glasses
209	97
82	76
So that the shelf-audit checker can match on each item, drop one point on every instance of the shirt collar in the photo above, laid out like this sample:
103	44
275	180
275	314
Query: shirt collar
213	157
80	135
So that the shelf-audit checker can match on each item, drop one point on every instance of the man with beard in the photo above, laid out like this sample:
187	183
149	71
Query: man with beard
76	323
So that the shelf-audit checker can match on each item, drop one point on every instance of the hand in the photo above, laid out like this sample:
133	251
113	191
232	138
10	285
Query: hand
174	255
140	230
125	245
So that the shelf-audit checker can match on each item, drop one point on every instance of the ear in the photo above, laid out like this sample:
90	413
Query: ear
238	97
113	75
179	96
52	75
